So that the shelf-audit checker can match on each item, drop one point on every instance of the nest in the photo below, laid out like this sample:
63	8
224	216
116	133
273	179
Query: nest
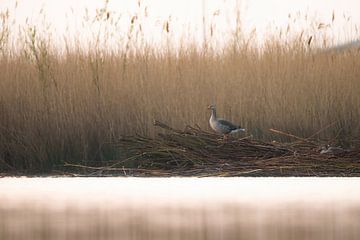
195	152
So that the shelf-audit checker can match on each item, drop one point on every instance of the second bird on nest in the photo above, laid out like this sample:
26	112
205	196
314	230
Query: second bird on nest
222	126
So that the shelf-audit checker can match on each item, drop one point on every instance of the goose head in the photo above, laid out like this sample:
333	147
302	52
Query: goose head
211	107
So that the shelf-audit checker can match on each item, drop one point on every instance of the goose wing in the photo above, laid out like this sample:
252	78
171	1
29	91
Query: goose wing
228	125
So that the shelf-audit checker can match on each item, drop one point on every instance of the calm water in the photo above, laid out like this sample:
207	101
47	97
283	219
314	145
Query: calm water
179	208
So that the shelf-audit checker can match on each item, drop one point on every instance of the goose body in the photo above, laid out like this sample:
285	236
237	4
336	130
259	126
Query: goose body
222	126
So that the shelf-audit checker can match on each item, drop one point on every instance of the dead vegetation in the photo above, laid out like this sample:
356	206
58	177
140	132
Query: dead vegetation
194	152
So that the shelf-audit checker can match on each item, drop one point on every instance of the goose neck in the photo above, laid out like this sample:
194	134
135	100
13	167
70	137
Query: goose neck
213	113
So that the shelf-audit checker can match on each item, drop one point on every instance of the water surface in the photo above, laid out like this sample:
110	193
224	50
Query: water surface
179	208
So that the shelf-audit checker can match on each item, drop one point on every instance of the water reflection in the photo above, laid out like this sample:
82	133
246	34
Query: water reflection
179	208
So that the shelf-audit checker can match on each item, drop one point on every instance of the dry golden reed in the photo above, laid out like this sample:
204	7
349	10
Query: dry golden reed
68	106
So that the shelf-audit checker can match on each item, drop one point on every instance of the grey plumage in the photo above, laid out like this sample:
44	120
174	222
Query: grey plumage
220	125
228	125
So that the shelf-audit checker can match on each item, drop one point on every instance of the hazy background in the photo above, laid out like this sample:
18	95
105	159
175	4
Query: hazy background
258	18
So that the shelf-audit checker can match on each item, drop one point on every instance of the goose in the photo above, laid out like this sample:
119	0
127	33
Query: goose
331	150
222	126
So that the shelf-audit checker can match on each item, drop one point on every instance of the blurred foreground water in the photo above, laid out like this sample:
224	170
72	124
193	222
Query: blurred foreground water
179	208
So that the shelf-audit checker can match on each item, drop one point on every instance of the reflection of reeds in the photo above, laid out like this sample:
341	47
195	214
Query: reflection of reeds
88	98
211	219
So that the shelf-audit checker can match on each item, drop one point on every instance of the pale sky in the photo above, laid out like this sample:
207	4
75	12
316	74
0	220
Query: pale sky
186	16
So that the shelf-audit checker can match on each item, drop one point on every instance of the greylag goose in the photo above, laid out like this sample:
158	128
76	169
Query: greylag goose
222	126
332	150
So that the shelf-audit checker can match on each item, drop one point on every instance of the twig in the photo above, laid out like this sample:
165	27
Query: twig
322	129
289	135
109	169
164	126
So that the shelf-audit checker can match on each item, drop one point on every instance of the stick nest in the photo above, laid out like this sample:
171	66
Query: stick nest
194	152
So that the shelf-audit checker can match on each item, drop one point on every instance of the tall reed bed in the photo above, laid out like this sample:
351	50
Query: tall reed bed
69	106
